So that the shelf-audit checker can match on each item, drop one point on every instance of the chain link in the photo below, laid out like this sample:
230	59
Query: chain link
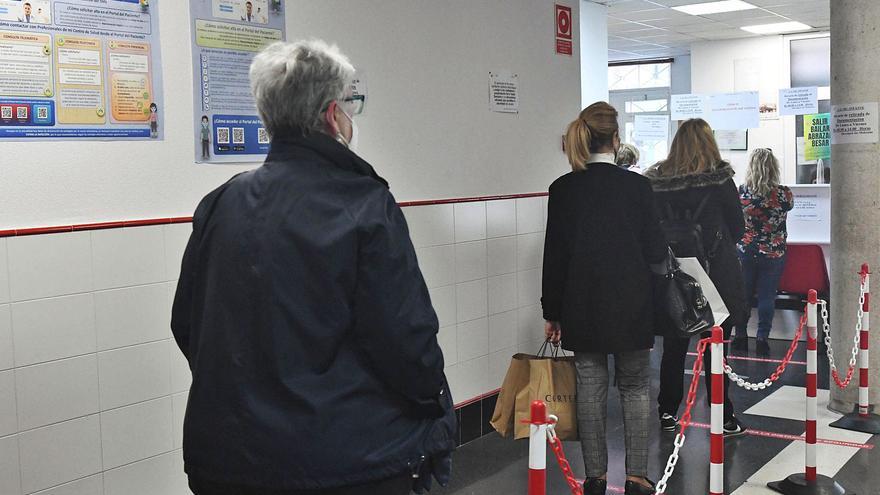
740	382
829	350
564	466
685	420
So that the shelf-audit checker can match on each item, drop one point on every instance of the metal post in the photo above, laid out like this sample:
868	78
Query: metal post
538	449
716	469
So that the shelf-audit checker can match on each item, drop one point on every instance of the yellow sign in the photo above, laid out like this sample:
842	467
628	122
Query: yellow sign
817	136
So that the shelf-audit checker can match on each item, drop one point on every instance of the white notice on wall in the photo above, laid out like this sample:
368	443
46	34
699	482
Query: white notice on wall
855	123
799	101
686	107
810	220
503	92
732	111
651	128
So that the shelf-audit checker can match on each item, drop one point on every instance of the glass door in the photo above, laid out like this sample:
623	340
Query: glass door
630	103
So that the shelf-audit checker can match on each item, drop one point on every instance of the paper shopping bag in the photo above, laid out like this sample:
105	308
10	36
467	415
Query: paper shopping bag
554	381
516	379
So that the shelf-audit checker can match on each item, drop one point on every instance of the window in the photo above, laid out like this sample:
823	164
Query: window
639	89
639	76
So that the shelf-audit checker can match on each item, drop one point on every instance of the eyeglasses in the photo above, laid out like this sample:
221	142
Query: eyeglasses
354	105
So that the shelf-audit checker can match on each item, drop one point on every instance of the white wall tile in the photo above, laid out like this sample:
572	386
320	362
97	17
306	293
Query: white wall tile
161	475
176	237
133	315
7	356
8	414
49	329
4	272
470	261
443	300
503	330
473	339
502	293
502	255
447	337
471	300
134	374
531	325
10	472
529	251
181	376
470	221
178	411
57	391
498	363
60	453
544	201
468	379
93	485
136	432
125	257
430	225
49	265
529	215
438	265
501	218
528	286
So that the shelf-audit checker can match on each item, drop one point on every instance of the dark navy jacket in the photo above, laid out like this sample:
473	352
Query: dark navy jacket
308	328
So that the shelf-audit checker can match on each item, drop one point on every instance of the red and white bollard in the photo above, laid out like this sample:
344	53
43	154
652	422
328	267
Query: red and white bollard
538	449
863	420
810	482
716	468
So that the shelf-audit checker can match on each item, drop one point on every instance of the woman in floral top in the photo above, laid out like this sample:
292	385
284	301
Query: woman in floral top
765	204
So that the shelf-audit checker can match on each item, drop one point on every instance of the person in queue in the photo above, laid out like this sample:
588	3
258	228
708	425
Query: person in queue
303	313
765	204
693	175
628	158
602	237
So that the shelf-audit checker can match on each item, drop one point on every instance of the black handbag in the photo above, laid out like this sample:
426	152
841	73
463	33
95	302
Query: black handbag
681	301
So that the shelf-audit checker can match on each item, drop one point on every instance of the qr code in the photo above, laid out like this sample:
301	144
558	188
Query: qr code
21	113
238	135
222	135
6	112
42	113
262	136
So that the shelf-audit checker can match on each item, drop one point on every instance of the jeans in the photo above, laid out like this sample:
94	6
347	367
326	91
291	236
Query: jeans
762	274
633	377
672	375
401	485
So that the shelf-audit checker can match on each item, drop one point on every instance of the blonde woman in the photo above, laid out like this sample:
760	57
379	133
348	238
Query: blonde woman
695	181
602	236
765	204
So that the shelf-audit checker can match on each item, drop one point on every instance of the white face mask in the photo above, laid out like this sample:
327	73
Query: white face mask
351	144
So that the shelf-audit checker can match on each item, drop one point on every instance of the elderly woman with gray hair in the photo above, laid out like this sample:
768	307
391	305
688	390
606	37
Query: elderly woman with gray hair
302	311
628	157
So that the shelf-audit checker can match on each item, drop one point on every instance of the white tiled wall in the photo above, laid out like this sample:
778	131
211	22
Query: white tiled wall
92	386
93	389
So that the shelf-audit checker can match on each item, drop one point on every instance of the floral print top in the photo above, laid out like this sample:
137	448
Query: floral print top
765	221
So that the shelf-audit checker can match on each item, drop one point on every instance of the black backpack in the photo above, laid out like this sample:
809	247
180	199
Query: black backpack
684	234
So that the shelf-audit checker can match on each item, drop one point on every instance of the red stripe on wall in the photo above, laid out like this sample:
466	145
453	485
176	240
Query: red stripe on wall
58	229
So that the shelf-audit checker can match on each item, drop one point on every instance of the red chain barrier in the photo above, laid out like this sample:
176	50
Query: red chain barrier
564	466
849	376
695	382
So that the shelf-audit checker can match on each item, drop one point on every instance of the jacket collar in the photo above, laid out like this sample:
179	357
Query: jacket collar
326	147
722	173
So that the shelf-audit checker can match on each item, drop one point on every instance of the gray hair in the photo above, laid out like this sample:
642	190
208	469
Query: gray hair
763	174
293	83
627	155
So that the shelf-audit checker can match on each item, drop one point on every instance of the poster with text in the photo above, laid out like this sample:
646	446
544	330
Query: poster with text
734	111
817	137
80	70
226	35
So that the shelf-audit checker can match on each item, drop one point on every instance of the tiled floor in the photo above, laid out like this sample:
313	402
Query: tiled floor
492	465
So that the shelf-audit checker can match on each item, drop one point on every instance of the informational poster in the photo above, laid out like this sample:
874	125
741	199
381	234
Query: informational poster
732	111
799	101
80	70
651	128
856	123
226	35
737	140
817	136
504	92
686	107
810	220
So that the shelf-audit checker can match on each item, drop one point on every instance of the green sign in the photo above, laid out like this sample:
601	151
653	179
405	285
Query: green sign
817	136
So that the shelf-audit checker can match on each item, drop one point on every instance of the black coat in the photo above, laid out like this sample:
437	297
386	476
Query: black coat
723	213
308	328
602	235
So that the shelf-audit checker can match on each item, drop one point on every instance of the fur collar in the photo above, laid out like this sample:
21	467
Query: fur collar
720	175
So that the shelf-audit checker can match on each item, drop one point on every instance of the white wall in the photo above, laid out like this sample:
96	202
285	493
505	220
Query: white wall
427	127
594	53
680	76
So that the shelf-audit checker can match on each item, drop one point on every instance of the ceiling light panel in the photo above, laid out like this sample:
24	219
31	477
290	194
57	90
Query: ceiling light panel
777	28
715	7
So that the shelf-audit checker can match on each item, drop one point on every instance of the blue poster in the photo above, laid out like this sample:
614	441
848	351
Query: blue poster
226	35
80	70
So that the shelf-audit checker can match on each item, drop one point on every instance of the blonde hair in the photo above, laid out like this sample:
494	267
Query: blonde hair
594	128
693	150
627	155
763	174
